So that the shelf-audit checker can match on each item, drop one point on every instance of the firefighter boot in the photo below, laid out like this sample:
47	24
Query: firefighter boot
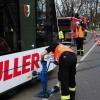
82	53
78	52
72	95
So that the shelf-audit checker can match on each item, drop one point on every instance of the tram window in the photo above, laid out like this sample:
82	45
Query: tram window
42	37
4	48
9	26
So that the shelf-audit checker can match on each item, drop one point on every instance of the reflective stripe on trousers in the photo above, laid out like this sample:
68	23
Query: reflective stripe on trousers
81	50
65	97
72	89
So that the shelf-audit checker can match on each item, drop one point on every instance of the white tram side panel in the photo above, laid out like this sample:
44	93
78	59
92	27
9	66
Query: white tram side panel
17	68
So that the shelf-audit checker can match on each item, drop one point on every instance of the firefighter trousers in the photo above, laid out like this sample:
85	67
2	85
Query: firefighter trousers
79	43
66	74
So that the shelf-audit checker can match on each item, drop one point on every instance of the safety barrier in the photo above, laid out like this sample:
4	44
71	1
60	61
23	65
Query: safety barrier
96	37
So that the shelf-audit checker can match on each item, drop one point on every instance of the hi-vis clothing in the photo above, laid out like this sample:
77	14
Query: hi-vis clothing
67	69
65	97
59	50
61	35
79	32
79	40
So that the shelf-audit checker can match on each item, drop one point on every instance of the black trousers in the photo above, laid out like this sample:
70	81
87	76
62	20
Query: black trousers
79	43
67	71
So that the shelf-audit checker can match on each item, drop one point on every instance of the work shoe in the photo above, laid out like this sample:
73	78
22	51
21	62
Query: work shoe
72	95
82	54
78	52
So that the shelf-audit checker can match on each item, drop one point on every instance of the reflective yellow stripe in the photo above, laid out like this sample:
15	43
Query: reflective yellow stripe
65	97
80	50
72	89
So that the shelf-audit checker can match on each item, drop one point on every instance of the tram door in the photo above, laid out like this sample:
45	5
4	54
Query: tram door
27	24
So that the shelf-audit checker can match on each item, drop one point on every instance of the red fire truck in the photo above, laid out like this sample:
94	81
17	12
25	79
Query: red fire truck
68	26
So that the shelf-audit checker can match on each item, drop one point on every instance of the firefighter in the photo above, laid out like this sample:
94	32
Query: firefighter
79	39
67	59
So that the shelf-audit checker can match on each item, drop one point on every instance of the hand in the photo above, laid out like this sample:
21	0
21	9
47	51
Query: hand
56	63
42	58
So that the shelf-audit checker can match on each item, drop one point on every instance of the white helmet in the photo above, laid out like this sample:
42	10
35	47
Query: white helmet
77	23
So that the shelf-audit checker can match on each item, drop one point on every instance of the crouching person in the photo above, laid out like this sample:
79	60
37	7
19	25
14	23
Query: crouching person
67	59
